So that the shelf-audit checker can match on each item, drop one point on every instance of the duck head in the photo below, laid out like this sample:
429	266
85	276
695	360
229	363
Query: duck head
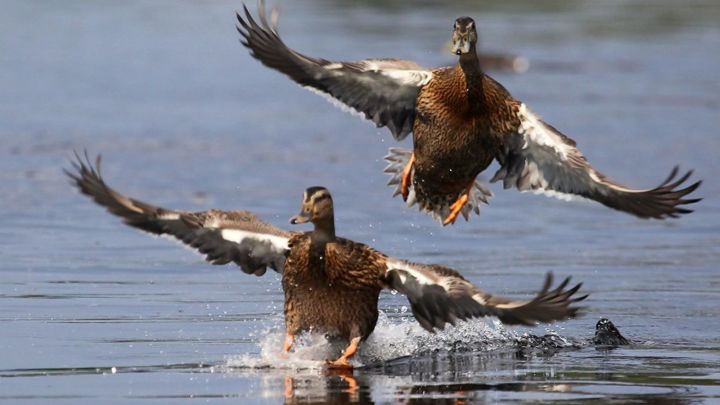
317	207
464	36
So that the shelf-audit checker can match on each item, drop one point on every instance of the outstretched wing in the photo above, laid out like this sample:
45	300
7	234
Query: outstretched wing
539	158
222	236
382	90
439	295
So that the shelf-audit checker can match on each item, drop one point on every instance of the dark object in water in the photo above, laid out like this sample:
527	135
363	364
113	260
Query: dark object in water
546	345
606	334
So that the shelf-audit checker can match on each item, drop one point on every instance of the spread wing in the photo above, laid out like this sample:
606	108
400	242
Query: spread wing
439	295
222	236
382	90
538	157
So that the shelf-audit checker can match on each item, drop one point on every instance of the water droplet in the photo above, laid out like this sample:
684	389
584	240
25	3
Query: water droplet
403	309
113	370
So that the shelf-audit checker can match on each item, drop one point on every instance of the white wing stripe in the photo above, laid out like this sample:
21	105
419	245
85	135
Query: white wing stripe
169	216
533	129
511	305
478	297
415	77
235	235
556	194
407	267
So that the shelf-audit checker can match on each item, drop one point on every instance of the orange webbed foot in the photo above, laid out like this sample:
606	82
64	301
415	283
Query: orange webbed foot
457	206
406	178
342	362
287	345
339	364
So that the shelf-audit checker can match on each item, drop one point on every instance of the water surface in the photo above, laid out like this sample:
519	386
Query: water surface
91	310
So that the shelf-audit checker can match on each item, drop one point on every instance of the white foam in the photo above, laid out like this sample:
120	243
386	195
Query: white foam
309	353
394	338
391	339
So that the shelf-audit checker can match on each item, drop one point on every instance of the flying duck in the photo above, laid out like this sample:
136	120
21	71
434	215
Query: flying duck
331	284
461	120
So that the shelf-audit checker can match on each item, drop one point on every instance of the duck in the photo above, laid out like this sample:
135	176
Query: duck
331	284
462	120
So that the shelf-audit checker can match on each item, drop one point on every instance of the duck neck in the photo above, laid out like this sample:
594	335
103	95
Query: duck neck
324	231
470	66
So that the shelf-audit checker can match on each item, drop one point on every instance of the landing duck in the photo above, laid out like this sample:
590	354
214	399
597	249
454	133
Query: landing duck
461	120
331	284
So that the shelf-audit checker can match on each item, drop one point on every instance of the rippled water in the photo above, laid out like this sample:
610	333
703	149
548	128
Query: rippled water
91	310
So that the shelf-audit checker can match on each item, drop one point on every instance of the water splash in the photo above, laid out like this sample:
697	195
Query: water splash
309	353
392	339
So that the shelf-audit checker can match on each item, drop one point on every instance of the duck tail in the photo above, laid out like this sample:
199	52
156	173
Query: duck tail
439	208
397	159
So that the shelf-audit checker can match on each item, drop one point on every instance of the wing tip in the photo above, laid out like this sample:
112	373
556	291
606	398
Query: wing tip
547	306
83	171
664	201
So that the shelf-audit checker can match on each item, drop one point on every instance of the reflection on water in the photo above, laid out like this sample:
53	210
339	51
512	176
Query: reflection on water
93	312
643	375
572	372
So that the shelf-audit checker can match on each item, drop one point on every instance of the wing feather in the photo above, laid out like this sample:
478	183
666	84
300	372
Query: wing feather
381	90
539	158
439	295
222	236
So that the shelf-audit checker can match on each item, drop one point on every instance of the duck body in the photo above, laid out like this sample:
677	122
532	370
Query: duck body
456	134
314	288
461	120
331	285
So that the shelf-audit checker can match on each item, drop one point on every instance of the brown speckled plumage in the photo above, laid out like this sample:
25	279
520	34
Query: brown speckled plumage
331	284
461	120
456	134
333	291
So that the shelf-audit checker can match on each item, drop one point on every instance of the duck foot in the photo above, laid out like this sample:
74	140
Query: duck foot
287	345
406	178
289	340
458	205
342	362
339	364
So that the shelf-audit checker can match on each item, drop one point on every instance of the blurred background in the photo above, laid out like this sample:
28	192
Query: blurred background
185	118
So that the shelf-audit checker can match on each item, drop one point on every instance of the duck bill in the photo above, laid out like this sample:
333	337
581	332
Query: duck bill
299	219
460	47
